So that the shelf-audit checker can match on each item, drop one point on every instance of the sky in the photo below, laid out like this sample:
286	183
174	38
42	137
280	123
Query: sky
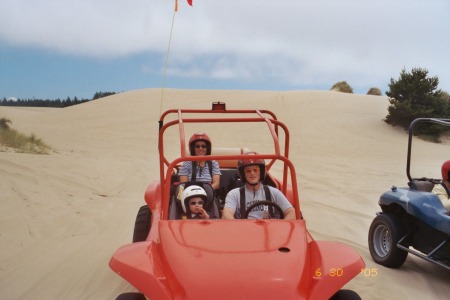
53	49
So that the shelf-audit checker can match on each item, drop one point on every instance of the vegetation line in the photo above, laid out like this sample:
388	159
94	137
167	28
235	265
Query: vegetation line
51	103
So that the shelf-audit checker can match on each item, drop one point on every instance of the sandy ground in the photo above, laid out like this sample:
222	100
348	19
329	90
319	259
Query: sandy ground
64	214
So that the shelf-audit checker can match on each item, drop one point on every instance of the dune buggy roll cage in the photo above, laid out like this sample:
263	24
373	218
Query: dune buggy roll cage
444	122
255	116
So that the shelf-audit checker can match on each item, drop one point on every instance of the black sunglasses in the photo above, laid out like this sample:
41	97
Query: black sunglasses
198	202
200	146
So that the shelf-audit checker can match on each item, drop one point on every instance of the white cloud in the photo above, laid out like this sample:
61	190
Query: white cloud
292	40
98	28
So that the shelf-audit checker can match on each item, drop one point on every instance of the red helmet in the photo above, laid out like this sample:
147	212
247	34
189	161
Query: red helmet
242	163
199	136
445	170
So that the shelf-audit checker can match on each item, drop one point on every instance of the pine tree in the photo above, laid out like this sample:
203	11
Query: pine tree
415	95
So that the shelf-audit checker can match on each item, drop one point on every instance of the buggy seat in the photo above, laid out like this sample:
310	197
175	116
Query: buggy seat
422	185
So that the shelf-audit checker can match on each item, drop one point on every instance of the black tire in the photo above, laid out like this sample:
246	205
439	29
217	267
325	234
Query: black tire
384	233
346	295
131	296
142	224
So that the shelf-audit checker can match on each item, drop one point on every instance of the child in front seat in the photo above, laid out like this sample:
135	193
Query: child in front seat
192	200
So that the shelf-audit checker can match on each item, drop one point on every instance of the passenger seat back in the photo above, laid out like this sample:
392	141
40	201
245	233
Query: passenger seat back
421	185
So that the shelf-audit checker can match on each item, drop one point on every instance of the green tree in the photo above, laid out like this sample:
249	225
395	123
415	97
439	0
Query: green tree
415	95
99	95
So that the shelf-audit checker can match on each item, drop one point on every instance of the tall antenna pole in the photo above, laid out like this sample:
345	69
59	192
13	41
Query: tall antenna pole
167	58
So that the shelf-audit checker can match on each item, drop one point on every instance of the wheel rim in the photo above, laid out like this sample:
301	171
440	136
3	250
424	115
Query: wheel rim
382	240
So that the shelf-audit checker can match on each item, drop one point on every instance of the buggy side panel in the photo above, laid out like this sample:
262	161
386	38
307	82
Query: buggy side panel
146	275
422	205
332	266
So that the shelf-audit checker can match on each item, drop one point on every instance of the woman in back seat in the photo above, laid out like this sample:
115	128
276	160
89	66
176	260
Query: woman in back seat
202	171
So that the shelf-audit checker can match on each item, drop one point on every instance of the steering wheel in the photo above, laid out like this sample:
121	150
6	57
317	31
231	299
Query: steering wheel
278	214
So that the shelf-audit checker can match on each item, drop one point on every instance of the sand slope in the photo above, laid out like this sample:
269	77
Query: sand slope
63	215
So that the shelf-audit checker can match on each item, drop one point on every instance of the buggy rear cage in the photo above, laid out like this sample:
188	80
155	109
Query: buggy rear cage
230	116
444	122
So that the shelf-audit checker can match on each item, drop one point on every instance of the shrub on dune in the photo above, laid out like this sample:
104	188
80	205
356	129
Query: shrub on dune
12	139
5	123
343	87
374	91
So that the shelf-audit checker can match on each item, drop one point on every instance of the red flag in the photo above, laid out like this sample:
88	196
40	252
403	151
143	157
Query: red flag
189	2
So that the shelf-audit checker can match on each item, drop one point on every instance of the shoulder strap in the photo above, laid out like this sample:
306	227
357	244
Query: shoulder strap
267	192
268	197
194	171
242	201
446	189
209	163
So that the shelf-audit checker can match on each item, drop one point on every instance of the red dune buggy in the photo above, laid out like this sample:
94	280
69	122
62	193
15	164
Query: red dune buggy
173	258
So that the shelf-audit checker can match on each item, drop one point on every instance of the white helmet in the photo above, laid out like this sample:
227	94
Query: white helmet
189	192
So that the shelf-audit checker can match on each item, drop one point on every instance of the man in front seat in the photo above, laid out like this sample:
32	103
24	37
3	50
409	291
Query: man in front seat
252	172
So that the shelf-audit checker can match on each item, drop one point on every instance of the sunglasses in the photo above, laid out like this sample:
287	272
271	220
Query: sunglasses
200	146
198	202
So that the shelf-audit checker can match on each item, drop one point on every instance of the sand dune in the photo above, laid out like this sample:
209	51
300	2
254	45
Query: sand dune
64	214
